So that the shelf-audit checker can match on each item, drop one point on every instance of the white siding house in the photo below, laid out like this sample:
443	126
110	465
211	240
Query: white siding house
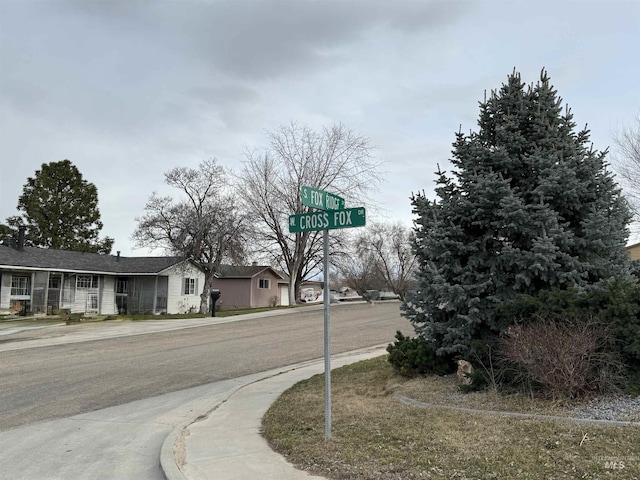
44	281
184	288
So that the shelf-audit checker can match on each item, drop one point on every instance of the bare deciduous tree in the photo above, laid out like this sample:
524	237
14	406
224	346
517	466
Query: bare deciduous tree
389	248
333	159
358	271
627	164
206	225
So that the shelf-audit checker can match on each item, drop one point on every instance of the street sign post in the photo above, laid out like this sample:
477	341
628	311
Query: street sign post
331	215
327	349
327	220
312	197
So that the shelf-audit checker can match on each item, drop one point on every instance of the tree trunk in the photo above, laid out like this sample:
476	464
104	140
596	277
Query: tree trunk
204	296
296	287
293	279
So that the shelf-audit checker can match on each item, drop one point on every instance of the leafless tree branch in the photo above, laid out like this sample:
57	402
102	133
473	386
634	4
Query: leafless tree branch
333	159
206	225
627	164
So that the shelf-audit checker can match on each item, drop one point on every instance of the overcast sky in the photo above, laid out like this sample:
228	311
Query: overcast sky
127	90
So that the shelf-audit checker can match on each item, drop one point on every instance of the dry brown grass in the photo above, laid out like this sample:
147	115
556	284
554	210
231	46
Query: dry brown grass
374	436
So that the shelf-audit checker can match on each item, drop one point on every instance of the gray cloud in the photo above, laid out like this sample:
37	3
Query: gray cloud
122	63
129	89
257	39
260	39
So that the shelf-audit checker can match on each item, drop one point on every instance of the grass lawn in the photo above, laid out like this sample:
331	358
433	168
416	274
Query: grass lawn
148	316
219	313
13	321
375	436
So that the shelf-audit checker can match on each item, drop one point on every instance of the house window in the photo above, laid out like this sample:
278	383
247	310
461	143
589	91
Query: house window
92	303
264	283
189	286
20	285
121	285
86	281
55	281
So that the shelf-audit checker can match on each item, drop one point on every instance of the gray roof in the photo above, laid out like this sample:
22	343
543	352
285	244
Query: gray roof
64	260
231	271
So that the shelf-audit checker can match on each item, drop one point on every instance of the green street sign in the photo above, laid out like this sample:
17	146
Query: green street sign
331	220
312	197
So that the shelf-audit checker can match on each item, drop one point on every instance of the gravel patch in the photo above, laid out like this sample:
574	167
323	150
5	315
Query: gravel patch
621	407
537	416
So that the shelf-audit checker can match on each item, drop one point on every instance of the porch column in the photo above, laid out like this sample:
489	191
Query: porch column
155	295
100	293
61	292
46	295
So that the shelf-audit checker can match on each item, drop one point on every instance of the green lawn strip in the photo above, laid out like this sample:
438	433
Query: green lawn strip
90	318
221	313
374	436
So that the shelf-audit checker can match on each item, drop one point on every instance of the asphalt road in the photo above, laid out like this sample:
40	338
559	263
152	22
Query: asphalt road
54	382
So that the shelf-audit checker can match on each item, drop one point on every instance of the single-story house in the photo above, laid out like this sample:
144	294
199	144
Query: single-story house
44	281
634	251
251	286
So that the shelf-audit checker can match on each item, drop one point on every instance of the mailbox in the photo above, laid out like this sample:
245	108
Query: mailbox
215	295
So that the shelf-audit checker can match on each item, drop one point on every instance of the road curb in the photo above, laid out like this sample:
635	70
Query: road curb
168	461
170	464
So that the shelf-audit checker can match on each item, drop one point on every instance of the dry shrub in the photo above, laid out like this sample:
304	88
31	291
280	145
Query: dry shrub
565	358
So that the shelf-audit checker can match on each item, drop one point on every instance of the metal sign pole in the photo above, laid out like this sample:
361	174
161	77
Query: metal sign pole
327	353
332	215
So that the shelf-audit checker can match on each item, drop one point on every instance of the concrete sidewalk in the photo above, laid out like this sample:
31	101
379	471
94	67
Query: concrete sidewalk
225	443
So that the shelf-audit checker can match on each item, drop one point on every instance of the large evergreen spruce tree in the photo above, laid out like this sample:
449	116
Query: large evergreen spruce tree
529	205
60	210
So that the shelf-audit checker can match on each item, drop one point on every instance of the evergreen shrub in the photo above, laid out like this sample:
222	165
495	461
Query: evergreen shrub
413	356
